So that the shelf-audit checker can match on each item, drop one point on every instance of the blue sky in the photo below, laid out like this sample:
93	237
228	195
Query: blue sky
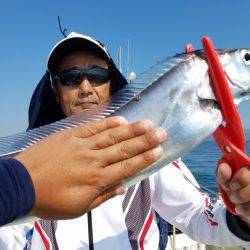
156	29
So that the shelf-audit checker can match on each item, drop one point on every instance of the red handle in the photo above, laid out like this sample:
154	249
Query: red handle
235	158
231	138
234	128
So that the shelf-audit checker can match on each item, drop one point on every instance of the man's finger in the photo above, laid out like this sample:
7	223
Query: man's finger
96	127
115	135
224	173
240	179
122	170
133	147
108	194
241	196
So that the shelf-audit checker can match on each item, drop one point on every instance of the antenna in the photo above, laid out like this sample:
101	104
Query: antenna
120	58
60	27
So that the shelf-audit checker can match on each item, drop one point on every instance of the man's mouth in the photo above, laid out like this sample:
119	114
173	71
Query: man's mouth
87	105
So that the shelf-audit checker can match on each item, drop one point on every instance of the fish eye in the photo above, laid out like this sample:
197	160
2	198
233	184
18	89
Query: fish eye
245	56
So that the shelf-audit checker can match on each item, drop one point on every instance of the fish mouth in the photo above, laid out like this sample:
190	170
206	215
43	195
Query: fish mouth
209	104
209	101
214	104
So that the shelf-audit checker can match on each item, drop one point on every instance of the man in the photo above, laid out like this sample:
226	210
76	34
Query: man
83	76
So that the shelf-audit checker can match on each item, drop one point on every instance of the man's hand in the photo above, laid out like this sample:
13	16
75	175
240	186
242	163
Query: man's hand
77	169
237	188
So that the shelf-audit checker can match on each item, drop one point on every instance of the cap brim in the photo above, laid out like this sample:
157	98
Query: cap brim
70	45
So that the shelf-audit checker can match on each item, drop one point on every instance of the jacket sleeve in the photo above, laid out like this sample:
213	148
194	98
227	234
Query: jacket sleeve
17	194
180	202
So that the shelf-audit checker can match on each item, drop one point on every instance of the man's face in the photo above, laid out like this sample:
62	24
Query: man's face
74	99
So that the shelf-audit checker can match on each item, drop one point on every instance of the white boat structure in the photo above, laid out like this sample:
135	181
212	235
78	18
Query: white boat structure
181	241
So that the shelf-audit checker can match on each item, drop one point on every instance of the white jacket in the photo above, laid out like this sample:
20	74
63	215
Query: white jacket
175	197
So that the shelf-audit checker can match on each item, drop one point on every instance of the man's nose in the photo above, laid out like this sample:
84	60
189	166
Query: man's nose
85	88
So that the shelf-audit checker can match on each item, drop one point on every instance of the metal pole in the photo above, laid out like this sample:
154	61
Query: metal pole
128	62
174	239
120	58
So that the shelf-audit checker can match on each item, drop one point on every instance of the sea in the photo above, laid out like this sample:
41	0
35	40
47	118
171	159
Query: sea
202	162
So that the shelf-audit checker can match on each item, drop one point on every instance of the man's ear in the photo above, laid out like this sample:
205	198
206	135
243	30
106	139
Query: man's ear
54	89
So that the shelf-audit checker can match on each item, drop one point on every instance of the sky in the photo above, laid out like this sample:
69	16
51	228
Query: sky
155	29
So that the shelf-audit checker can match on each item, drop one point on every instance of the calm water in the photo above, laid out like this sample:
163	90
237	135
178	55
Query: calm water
202	162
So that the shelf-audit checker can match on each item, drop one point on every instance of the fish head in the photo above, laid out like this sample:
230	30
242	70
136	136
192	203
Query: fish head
236	67
197	114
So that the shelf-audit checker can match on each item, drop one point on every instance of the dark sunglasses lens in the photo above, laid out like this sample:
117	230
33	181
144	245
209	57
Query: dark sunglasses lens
98	75
72	77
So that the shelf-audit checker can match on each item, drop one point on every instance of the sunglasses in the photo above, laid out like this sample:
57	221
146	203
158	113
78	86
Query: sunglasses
74	76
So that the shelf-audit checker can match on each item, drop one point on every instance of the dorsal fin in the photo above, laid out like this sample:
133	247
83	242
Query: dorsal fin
13	144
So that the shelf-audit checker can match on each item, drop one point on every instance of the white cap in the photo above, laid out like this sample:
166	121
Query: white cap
74	42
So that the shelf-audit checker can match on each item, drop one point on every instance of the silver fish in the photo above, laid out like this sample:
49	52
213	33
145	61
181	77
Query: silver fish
175	94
